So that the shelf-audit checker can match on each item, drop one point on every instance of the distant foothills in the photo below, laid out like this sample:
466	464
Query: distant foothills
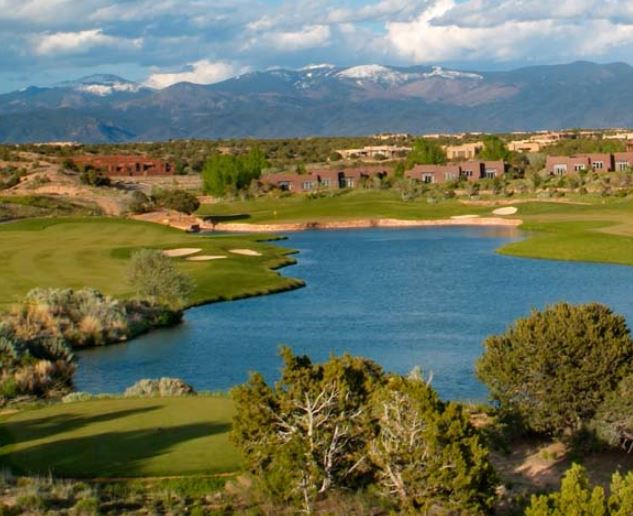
323	100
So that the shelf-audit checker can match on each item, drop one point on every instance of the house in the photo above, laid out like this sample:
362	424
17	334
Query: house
525	146
561	165
466	170
622	161
433	174
331	179
375	152
125	165
464	151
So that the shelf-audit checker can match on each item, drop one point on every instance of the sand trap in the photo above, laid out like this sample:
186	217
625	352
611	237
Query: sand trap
510	210
205	258
245	252
462	217
184	251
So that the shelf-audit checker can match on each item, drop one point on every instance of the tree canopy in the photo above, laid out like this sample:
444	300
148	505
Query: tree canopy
426	152
554	368
494	149
345	425
226	174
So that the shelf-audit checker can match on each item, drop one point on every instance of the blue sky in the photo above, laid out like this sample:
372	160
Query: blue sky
160	42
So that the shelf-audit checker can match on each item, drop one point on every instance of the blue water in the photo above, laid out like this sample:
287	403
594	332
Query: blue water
405	298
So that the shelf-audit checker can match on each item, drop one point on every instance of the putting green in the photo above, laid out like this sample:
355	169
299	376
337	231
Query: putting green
94	252
122	438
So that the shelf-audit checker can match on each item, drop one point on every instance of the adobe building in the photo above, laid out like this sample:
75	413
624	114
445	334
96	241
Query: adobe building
598	162
126	165
330	179
466	170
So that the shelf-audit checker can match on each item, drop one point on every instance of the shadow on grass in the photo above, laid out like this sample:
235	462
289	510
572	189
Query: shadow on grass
108	454
19	431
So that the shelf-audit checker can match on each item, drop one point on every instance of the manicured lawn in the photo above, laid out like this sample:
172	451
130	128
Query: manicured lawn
94	252
122	438
352	205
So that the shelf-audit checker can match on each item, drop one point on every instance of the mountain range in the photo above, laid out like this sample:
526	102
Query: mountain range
323	100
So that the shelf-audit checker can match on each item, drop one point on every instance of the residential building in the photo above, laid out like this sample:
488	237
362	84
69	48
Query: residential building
464	151
525	146
125	165
466	170
623	161
331	179
561	165
375	152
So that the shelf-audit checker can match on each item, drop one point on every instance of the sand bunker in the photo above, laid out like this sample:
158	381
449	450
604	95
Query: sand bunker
462	217
245	252
205	258
184	251
510	210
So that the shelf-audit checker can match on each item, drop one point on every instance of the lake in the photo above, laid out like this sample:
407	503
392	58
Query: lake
403	297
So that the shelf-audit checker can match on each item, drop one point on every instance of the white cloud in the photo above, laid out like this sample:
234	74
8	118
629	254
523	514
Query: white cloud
79	42
200	72
447	30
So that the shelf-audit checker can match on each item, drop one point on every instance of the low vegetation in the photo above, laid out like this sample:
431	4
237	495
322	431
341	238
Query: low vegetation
346	425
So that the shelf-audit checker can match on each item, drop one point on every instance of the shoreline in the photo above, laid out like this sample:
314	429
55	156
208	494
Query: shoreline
358	224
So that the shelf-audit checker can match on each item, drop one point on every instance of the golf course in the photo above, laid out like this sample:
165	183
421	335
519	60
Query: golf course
124	437
95	252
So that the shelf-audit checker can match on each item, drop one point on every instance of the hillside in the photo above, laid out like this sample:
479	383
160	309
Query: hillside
323	100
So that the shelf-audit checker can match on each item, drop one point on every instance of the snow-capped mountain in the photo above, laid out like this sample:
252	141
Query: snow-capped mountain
103	85
323	99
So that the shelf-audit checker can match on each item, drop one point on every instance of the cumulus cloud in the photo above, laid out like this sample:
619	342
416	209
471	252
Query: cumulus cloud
479	31
291	41
79	42
200	72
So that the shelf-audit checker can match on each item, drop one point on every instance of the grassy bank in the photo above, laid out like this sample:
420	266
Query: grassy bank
121	438
94	252
584	228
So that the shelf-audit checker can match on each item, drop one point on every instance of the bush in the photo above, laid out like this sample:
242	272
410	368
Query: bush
156	279
165	387
94	177
345	425
614	418
577	497
140	203
554	368
178	200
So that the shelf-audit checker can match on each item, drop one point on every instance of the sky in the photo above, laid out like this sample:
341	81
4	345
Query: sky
161	42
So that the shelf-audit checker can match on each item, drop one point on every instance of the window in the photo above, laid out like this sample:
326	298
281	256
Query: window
307	185
467	173
598	165
579	167
490	173
622	166
560	170
427	178
349	182
325	182
450	176
285	186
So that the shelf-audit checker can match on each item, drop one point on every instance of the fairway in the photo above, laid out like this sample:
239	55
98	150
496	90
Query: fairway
122	438
95	252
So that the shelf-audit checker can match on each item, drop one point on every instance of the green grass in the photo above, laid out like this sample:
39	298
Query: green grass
122	438
358	204
94	252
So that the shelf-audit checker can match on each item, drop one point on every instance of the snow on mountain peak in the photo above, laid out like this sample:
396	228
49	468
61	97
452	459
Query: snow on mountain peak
373	72
440	72
312	67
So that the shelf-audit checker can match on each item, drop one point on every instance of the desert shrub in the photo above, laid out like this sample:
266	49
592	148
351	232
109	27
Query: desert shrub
94	177
82	317
178	200
554	368
86	507
344	425
165	387
140	203
577	497
155	278
614	418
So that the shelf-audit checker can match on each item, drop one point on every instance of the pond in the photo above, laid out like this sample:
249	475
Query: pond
403	297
